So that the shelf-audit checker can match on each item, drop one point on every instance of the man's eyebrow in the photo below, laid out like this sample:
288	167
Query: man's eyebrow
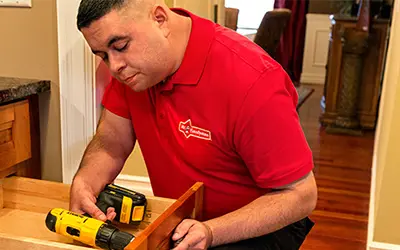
111	41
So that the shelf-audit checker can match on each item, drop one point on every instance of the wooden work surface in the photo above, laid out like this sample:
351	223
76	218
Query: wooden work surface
25	203
28	224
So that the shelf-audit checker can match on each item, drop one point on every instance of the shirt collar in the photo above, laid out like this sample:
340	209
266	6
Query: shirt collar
195	57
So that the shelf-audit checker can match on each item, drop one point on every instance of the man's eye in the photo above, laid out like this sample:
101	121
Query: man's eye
121	48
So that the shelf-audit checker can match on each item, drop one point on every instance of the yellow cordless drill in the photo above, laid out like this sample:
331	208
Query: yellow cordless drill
87	230
130	207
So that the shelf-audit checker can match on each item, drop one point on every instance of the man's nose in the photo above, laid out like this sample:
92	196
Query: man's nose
116	64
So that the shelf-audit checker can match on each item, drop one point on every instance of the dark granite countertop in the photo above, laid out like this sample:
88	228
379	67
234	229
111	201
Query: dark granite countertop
17	88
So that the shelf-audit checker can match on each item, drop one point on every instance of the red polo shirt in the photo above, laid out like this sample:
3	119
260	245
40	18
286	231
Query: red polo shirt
226	118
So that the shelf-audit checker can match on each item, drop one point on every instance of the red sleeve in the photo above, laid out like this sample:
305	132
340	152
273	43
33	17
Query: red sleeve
268	135
114	99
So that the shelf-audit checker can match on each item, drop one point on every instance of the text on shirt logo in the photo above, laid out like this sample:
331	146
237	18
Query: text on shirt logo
191	131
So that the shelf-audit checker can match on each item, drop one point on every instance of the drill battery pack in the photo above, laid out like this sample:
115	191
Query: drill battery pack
130	206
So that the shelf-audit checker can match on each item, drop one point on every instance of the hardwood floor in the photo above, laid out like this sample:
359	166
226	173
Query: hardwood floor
343	171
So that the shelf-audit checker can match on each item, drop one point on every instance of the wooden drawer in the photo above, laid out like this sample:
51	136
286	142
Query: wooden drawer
25	202
15	141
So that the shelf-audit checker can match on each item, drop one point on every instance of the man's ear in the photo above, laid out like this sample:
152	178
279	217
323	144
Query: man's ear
161	17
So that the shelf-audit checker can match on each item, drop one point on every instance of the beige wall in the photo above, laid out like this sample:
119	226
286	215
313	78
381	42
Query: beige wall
169	3
135	164
387	150
28	48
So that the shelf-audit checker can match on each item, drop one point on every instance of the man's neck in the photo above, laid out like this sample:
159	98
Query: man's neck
180	34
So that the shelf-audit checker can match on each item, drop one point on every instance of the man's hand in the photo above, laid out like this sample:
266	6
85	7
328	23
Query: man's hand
196	235
83	200
103	160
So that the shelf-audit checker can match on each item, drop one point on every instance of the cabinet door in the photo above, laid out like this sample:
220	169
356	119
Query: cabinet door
15	140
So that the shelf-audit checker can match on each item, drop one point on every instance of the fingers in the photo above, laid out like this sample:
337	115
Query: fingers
111	213
191	241
182	229
74	207
194	235
93	210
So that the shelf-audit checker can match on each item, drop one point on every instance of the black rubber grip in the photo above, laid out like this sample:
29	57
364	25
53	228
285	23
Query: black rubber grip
103	206
51	222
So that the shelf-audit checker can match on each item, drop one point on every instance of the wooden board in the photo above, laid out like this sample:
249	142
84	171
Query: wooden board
7	113
28	224
158	234
32	167
8	241
26	202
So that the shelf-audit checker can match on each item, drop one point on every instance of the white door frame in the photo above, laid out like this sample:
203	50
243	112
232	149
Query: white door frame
391	79
76	79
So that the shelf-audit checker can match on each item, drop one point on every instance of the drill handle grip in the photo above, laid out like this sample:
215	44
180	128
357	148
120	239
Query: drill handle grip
102	203
103	206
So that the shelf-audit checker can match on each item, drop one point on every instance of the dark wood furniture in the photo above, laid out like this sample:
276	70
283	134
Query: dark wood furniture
271	28
371	71
19	126
231	18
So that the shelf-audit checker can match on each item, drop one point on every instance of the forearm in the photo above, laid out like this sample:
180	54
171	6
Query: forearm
264	215
103	160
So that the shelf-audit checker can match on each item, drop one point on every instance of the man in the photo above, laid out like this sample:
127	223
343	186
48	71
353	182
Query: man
205	104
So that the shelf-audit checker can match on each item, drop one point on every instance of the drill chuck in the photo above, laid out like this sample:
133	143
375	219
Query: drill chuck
109	237
87	230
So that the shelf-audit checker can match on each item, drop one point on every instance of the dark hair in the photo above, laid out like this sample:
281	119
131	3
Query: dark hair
92	10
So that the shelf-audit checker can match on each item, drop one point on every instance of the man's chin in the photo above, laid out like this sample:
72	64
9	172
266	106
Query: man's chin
138	87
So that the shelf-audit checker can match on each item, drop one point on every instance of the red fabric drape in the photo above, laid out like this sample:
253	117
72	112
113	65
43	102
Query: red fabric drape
290	50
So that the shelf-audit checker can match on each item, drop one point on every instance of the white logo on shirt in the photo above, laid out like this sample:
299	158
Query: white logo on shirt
188	130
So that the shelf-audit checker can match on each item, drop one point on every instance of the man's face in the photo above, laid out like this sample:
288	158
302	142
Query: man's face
137	52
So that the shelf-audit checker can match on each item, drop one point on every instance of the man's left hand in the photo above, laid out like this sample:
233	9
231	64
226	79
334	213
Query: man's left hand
196	235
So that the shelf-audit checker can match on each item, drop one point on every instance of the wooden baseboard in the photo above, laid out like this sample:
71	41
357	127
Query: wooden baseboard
312	78
139	184
382	246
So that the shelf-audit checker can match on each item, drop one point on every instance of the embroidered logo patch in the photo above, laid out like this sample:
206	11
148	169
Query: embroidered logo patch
188	130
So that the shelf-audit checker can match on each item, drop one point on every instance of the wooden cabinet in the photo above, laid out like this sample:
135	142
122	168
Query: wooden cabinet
372	71
25	202
19	126
20	138
15	142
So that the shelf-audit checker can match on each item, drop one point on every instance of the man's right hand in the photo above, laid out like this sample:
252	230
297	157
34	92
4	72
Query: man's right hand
83	200
103	160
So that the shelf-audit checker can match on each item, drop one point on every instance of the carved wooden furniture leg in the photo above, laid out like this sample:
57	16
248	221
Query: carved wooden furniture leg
355	43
